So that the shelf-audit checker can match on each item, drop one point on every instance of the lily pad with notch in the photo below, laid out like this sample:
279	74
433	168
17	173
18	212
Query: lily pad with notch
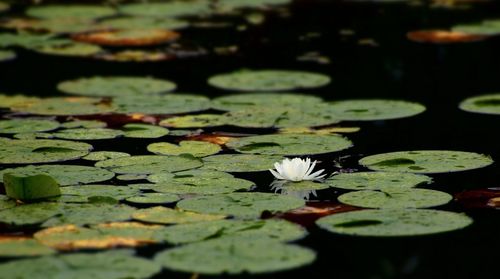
396	198
88	134
83	193
195	121
148	164
41	151
143	131
154	198
165	215
188	185
246	101
486	104
377	180
370	110
15	126
64	106
104	155
240	162
195	148
161	104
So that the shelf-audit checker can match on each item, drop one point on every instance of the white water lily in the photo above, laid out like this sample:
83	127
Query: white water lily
296	169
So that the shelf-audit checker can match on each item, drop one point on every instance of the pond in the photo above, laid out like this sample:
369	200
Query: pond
137	139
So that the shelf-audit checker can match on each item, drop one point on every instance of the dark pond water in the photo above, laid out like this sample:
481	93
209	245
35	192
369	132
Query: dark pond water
438	76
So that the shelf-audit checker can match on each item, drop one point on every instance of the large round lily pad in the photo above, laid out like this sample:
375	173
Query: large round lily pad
83	193
195	148
29	214
213	186
268	80
274	229
64	106
116	264
235	256
376	180
170	9
115	86
165	215
189	176
88	134
396	198
366	110
70	11
63	174
161	104
143	131
147	164
487	104
15	126
426	161
263	100
23	247
245	205
289	144
394	222
41	151
241	162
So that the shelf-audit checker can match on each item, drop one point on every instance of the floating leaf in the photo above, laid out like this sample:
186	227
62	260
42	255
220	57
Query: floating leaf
143	23
396	198
70	11
127	37
170	9
23	247
426	161
376	180
245	205
115	86
247	101
90	213
63	174
64	106
7	101
5	202
240	162
105	155
367	110
394	222
195	121
29	188
195	148
275	229
83	193
84	124
68	48
165	215
29	214
148	164
41	151
88	134
479	29
23	40
228	5
116	264
235	256
154	198
268	80
289	144
6	55
167	104
144	131
128	177
204	186
15	126
487	104
190	176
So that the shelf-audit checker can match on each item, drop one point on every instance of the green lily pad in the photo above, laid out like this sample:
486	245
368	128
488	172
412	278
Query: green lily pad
144	131
84	124
143	23
195	148
165	215
268	80
57	25
41	151
394	222
23	40
246	101
195	121
83	193
235	256
147	164
193	185
245	205
63	174
396	198
229	5
29	214
426	161
23	247
161	104
487	104
292	186
129	177
105	155
189	176
280	230
7	101
170	9
154	198
15	126
289	144
5	202
6	55
32	136
368	110
30	188
377	180
240	162
90	213
477	29
88	134
70	11
64	106
115	86
67	48
116	264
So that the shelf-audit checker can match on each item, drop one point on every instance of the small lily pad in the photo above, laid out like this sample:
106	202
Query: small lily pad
195	121
30	188
195	148
280	230
115	86
268	80
487	104
88	134
170	9
244	205
83	193
116	264
426	161
70	11
143	23
6	55
63	174
394	222
376	180
23	40
235	256
7	101
105	155
144	131
246	101
129	177
165	215
368	110
84	124
15	126
64	106
68	48
154	198
147	164
289	144
240	162
396	198
32	136
41	151
23	247
161	104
